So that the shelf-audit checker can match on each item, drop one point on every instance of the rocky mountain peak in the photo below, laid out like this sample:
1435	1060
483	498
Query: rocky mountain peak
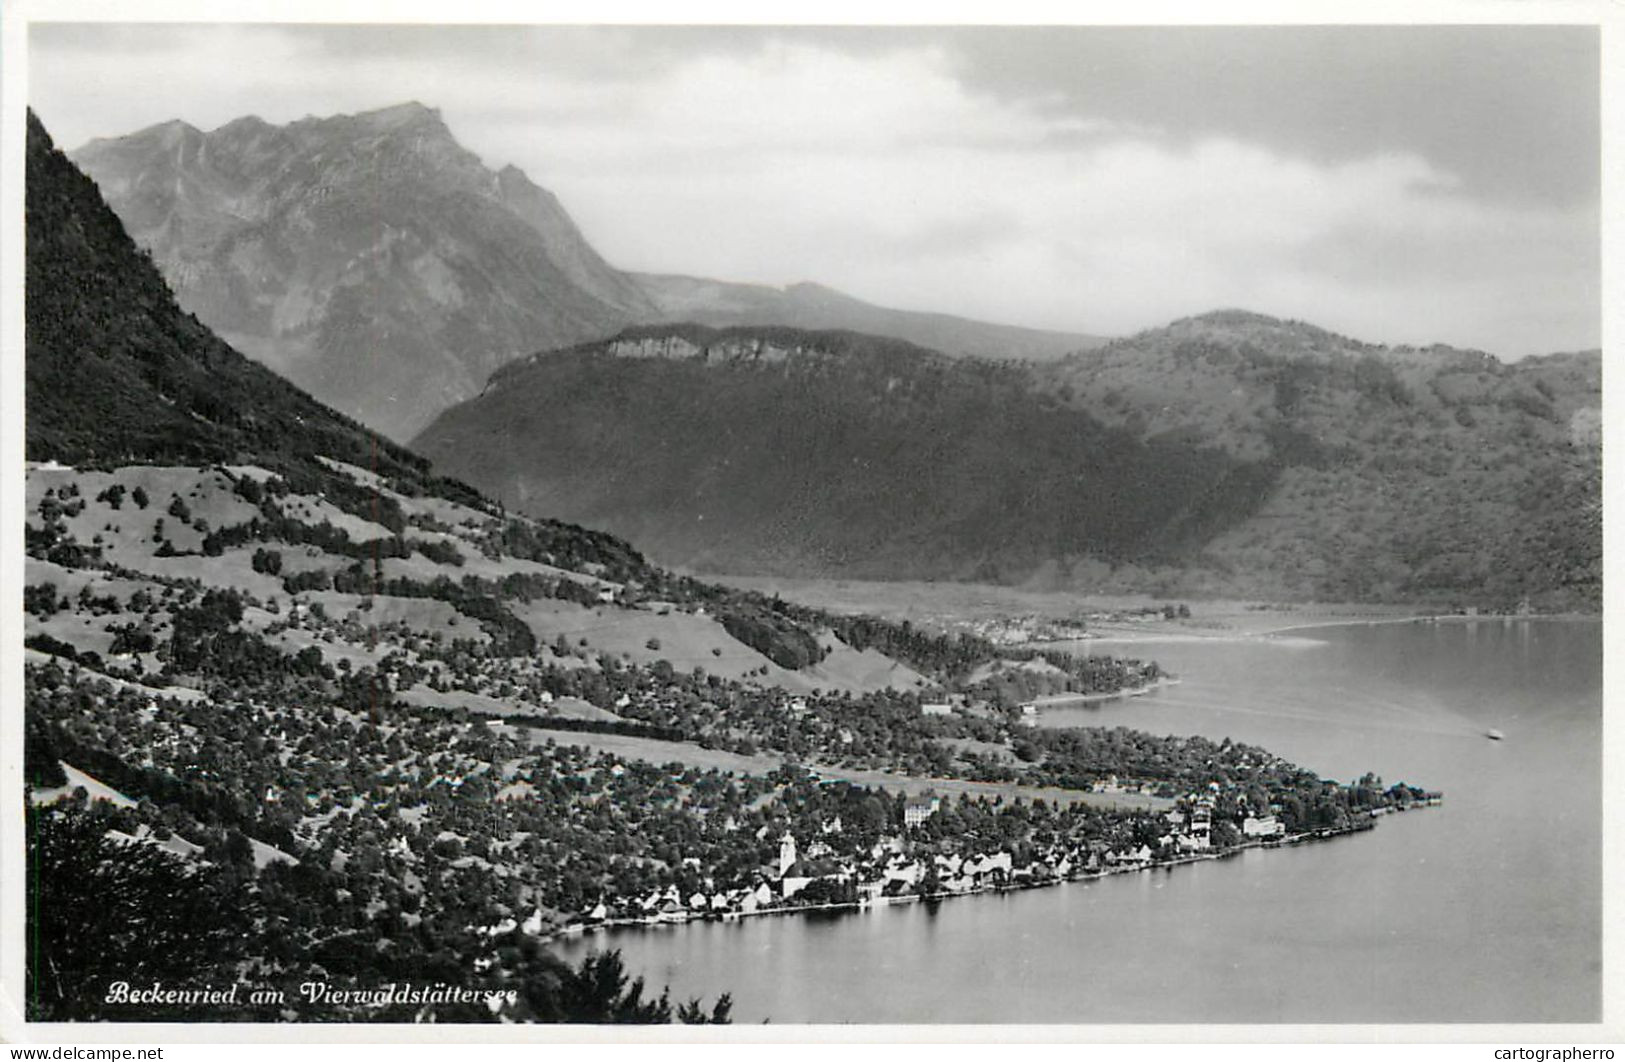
406	115
370	258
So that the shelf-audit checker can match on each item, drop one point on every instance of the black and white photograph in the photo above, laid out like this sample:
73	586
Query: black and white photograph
1071	523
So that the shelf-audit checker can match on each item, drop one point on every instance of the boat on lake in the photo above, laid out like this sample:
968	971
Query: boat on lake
1494	734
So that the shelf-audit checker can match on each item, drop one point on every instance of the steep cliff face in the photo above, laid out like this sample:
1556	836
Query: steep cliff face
369	258
722	304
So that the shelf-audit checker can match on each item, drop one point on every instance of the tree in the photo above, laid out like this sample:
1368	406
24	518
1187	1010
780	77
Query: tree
598	992
692	1013
42	765
101	911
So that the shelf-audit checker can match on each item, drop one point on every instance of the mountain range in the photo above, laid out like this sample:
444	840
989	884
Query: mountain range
379	265
1230	453
745	428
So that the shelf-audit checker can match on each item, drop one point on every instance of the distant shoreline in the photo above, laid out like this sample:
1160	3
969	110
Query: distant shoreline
953	605
1063	700
1452	617
1285	635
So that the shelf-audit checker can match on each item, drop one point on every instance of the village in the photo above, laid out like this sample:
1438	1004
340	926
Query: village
896	871
1034	629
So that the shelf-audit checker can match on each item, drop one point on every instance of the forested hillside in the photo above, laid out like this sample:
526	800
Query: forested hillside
775	449
1389	473
1230	454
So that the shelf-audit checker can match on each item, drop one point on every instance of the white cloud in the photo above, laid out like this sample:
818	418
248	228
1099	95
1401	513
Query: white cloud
877	172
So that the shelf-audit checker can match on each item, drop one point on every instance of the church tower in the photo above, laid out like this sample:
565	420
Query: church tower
787	853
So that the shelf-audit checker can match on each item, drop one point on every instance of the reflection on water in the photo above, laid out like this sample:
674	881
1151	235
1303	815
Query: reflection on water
1485	909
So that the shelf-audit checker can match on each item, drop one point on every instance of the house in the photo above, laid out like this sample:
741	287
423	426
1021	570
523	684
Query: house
794	884
756	899
988	864
1135	857
936	708
917	809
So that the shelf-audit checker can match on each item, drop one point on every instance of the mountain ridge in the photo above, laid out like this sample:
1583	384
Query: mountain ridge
379	264
810	305
1230	453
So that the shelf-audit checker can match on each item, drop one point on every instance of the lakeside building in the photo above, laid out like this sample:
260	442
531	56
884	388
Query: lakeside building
1262	826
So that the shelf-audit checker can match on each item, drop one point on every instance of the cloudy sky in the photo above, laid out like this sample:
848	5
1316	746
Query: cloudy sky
1405	185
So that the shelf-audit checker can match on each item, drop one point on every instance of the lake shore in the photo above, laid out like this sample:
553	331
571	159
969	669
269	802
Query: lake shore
1257	627
576	930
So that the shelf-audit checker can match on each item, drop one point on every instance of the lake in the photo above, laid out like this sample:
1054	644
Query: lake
1485	909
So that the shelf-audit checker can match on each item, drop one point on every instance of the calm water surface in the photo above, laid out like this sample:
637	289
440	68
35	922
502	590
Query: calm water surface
1487	908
